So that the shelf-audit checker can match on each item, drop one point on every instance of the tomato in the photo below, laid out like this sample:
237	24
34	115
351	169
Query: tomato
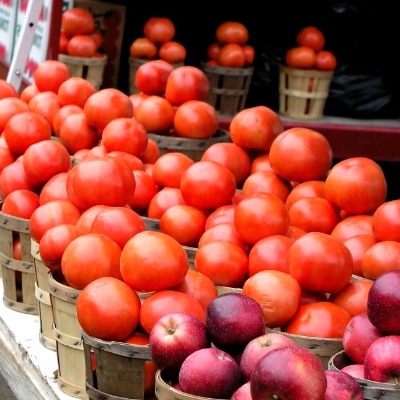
137	98
125	134
105	105
20	203
152	152
7	89
266	182
310	188
353	225
353	297
172	52
81	46
77	21
86	219
381	257
165	198
358	246
134	163
260	163
195	119
156	114
50	74
249	54
24	129
10	106
322	319
75	90
151	255
98	38
269	253
28	92
108	309
283	294
356	185
303	212
255	128
62	114
159	29
169	167
312	37
55	212
146	189
294	232
54	242
386	221
199	286
45	104
231	56
308	297
167	301
320	263
325	61
213	50
143	48
13	177
301	154
54	189
117	182
206	177
221	215
252	212
185	83
6	158
232	32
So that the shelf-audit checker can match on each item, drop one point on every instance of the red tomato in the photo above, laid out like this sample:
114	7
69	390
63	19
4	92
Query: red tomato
186	83
164	199
163	302
221	215
117	182
45	159
301	57
206	177
108	309
13	177
232	32
283	294
255	128
45	104
137	98
89	257
10	106
75	90
231	56
358	246
310	188
54	242
98	38
86	219
322	319
320	263
62	114
143	48
353	225
6	158
50	74
213	51
7	89
172	52
146	189
151	77
386	221
81	46
312	37
54	189
151	255
28	92
195	119
301	154
252	212
260	163
356	185
134	163
325	61
77	21
249	54
20	203
152	152
159	29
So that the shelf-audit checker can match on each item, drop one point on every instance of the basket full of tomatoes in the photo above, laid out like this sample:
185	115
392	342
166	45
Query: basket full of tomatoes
305	79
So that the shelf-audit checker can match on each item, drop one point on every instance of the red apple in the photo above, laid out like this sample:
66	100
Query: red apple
243	393
232	320
358	336
259	347
355	370
173	337
383	303
210	372
382	360
288	372
342	386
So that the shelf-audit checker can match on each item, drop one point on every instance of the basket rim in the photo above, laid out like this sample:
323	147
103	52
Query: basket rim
306	73
217	69
91	61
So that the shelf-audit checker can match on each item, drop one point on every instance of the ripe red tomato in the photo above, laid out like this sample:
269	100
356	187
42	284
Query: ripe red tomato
353	225
151	77
166	197
186	83
358	246
20	203
45	104
172	52
7	89
150	255
325	60
213	51
312	37
146	189
81	46
108	309
221	215
6	158
232	32
159	29
249	54
301	154
255	128
386	221
28	92
301	57
54	189
13	177
143	48
98	38
152	152
75	90
62	114
310	188
322	319
260	163
86	219
10	106
320	263
77	21
50	74
356	185
195	119
134	163
231	56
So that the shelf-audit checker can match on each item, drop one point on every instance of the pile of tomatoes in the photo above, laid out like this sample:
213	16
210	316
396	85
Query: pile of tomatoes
310	51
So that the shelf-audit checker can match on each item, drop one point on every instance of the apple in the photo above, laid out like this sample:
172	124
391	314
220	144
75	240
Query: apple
383	302
288	372
342	386
358	336
210	372
382	360
243	393
173	337
355	370
232	320
259	347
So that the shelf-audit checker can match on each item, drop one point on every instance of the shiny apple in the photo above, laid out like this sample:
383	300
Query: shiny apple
342	386
243	393
355	370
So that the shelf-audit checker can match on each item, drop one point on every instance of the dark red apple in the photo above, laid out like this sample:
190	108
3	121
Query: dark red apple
173	337
288	372
355	370
259	347
243	393
358	336
210	372
232	320
382	360
342	386
383	303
